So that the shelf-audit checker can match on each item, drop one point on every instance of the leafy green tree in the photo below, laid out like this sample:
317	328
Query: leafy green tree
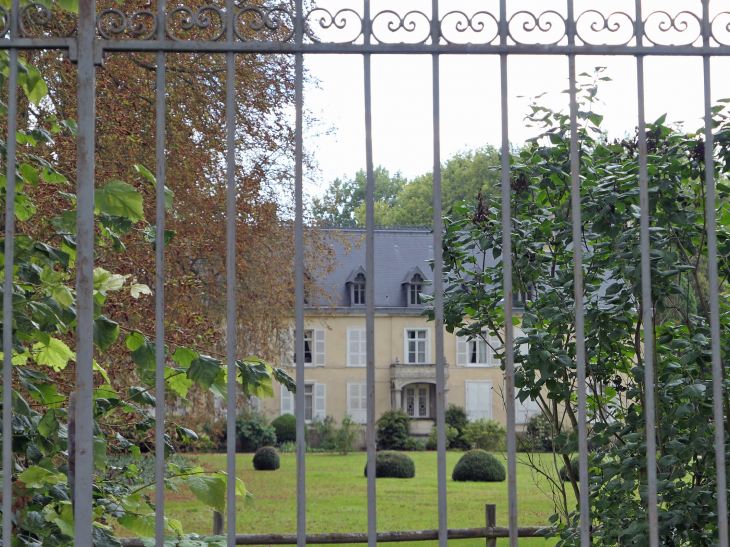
345	197
545	357
43	324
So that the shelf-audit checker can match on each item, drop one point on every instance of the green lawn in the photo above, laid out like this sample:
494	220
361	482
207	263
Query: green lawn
337	498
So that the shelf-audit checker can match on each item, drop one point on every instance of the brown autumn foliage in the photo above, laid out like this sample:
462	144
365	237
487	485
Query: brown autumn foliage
195	138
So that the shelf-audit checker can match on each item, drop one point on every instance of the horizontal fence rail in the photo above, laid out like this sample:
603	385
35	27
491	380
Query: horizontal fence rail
233	29
382	537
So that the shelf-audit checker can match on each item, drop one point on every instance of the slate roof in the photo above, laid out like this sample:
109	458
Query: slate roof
398	252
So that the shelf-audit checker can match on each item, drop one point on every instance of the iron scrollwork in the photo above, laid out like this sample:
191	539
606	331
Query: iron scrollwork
680	23
599	23
537	24
327	20
408	23
478	23
6	22
270	20
111	23
721	24
203	18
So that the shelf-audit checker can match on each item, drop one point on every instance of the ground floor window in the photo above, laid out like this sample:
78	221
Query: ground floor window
357	402
416	402
315	401
479	400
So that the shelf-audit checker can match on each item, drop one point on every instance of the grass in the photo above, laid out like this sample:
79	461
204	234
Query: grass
337	498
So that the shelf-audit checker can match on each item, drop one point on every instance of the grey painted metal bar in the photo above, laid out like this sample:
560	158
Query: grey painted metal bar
299	283
383	537
85	152
646	301
438	290
389	49
717	365
231	280
580	341
507	288
7	438
370	291
160	289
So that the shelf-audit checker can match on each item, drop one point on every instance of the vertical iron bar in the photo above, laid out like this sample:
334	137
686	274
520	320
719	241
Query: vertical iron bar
646	301
507	280
370	288
438	285
717	365
299	283
580	345
160	287
231	337
508	327
85	151
8	281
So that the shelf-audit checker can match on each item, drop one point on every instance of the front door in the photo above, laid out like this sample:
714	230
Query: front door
416	401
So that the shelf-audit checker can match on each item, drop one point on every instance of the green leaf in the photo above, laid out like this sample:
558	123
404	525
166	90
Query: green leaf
118	225
48	424
143	526
120	199
62	295
134	340
106	332
150	235
146	173
596	119
102	537
204	370
33	84
24	208
211	490
55	354
144	356
36	477
105	281
178	381
184	356
29	173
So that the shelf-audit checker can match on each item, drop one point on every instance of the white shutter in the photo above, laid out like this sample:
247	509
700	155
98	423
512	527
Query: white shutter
485	400
462	351
363	403
478	400
356	347
494	343
319	338
320	403
287	401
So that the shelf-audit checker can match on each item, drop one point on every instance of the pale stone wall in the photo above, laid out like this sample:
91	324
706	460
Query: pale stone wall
389	350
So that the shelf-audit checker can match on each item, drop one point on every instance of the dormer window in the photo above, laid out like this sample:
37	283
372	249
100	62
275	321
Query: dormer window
358	290
413	287
414	297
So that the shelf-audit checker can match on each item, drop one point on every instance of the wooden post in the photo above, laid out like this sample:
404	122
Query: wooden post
218	524
491	513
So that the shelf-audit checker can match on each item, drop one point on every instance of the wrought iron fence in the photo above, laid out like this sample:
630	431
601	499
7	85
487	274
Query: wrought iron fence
237	29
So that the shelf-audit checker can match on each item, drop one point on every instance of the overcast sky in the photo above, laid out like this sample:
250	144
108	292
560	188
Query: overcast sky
470	95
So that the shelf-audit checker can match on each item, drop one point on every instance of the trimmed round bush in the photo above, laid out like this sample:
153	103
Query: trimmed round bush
286	428
266	459
574	463
394	465
479	466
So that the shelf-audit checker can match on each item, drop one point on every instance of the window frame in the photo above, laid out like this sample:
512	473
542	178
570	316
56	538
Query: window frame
416	402
491	361
470	416
406	330
363	411
313	396
361	342
357	287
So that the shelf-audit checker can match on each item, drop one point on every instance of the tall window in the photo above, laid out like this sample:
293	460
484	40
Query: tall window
357	402
416	402
415	292
477	352
478	400
315	404
308	345
358	290
356	356
416	346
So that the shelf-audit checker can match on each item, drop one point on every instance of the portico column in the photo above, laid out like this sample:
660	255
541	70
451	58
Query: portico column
397	394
